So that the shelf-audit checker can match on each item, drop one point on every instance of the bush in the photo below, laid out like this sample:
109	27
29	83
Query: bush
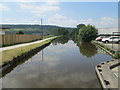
117	55
20	32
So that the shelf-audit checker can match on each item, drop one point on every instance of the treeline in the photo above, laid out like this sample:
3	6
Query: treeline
34	29
60	31
28	26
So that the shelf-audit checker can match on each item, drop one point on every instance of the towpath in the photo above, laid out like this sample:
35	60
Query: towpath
24	44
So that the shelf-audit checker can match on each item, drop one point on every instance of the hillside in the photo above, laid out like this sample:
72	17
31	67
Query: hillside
31	29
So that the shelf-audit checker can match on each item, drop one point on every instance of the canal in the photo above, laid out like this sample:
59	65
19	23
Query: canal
65	63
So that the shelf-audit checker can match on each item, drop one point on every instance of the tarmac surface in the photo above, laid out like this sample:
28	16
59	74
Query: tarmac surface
115	71
114	46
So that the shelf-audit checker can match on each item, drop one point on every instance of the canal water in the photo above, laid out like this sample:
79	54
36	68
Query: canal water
65	63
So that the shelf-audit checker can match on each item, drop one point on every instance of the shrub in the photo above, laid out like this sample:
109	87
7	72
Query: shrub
117	55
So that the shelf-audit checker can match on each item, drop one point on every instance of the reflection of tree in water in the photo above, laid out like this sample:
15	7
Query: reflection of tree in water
87	49
61	40
75	39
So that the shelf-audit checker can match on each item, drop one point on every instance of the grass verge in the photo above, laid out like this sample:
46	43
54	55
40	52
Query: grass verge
115	55
8	55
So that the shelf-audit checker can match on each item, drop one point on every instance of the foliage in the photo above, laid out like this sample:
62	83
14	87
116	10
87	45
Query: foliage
76	30
60	31
88	33
33	29
79	26
63	31
117	55
20	32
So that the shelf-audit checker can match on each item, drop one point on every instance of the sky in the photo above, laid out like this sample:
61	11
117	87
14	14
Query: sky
66	14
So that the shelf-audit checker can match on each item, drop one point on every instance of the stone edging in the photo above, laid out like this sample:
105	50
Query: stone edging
107	78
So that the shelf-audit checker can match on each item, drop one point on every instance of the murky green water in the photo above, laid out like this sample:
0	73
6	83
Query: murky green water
63	64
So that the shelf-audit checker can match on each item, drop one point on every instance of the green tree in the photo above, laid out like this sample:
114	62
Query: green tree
55	31
76	31
60	31
20	32
63	31
88	33
79	26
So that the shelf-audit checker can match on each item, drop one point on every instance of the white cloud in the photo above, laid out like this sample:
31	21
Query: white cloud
87	21
41	9
62	20
16	21
20	1
60	0
52	2
103	22
108	22
5	8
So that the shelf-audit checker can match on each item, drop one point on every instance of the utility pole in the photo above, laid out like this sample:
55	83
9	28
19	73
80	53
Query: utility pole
42	28
42	38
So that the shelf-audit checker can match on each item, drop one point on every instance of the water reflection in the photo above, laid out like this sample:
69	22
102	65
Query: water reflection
23	61
61	40
63	66
87	49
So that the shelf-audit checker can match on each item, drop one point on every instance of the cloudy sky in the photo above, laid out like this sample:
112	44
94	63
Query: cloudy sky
67	14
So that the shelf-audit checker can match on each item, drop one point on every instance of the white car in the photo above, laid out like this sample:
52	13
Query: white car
115	39
100	38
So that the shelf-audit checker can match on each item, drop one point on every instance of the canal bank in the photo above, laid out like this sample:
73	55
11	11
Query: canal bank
13	54
109	48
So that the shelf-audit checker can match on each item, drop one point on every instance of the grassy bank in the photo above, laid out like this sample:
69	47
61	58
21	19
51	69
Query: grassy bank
8	55
114	54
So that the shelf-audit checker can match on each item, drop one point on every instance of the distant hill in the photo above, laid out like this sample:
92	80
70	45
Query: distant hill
32	29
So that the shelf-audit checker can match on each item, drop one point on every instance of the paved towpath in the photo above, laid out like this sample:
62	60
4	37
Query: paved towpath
24	44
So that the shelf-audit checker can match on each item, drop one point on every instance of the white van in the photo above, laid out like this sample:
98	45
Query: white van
115	39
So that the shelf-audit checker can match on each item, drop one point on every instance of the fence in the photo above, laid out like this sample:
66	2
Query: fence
14	39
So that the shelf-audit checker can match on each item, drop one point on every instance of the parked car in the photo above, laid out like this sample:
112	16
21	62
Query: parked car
114	39
100	38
